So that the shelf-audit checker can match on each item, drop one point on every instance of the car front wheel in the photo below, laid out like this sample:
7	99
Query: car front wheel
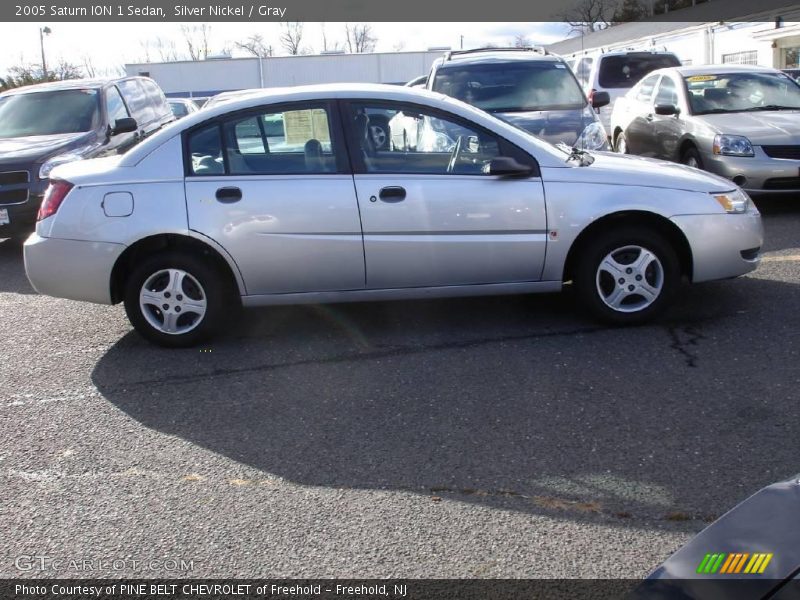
621	143
176	300
627	276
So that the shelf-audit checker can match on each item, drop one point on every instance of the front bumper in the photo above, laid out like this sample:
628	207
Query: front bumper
761	174
71	269
723	245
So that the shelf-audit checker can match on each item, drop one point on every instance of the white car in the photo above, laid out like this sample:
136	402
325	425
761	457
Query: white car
281	197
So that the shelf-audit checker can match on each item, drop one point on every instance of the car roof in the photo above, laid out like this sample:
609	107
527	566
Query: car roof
630	52
716	70
66	84
490	56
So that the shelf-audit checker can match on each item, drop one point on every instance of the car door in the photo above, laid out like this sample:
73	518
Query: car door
668	128
273	187
640	133
433	216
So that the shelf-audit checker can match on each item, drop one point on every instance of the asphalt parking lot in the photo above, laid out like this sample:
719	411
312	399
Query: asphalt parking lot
492	437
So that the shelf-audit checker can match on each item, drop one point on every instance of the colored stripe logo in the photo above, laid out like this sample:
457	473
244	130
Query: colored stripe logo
734	563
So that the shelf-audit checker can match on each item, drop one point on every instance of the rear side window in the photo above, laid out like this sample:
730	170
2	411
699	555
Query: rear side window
157	99
136	99
625	70
286	142
205	151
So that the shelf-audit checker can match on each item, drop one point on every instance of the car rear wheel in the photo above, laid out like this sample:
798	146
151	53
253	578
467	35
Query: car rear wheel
627	276
691	158
175	300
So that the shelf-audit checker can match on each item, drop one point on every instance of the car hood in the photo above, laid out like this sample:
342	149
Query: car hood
617	169
552	125
765	523
39	146
768	127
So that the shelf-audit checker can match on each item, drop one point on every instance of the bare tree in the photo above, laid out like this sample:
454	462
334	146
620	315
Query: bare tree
21	75
359	38
88	66
256	46
197	40
399	46
292	37
521	41
327	44
590	15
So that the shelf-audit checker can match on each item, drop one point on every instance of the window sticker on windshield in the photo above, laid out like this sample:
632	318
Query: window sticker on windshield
701	78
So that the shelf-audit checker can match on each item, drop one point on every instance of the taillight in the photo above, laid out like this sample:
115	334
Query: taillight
53	197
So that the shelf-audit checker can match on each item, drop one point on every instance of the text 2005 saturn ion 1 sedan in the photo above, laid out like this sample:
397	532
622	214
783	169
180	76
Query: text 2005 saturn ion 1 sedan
281	197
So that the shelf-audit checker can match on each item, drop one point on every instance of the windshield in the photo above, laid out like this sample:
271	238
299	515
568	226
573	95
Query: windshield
740	92
49	113
179	109
626	70
512	87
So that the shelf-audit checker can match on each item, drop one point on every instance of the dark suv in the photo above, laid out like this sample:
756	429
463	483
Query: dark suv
45	125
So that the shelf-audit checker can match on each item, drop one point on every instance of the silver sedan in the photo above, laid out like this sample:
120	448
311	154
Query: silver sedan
282	197
740	122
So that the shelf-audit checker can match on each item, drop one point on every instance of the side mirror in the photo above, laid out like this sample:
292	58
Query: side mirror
125	125
600	99
666	110
506	166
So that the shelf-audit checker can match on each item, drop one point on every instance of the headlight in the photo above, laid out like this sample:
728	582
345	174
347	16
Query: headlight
60	159
733	202
733	145
593	137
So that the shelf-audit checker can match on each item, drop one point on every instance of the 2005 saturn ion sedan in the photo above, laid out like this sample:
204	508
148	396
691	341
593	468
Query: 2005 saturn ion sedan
281	197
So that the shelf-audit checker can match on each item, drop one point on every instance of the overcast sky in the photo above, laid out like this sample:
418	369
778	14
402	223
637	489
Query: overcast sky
110	45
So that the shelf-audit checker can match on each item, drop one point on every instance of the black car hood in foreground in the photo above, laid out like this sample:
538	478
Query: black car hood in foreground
40	146
767	523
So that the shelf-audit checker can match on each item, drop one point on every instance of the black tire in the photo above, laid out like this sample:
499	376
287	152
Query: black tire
690	156
621	143
221	302
592	283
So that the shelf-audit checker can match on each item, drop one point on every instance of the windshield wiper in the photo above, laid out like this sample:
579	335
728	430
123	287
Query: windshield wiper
574	153
771	107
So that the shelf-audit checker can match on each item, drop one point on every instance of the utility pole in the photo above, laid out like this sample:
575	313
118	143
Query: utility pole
462	41
43	31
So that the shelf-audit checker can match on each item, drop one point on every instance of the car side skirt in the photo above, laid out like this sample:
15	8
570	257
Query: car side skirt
450	291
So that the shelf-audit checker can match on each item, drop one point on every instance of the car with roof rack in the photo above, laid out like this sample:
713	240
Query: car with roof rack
529	88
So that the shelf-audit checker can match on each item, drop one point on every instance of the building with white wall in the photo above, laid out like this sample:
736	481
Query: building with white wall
770	39
210	77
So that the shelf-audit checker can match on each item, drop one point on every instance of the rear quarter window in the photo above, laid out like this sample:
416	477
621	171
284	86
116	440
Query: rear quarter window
157	98
625	70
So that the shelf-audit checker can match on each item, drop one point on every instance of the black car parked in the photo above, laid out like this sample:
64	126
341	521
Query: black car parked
45	125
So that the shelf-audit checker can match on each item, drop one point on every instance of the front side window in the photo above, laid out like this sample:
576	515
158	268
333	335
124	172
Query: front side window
512	86
667	92
115	107
49	113
423	142
645	90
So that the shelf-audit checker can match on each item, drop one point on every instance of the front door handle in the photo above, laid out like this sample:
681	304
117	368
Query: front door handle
228	195
392	193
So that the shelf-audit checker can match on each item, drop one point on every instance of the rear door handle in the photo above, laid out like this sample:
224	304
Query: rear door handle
228	195
392	193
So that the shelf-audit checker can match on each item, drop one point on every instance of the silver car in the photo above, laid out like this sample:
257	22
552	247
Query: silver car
281	198
740	122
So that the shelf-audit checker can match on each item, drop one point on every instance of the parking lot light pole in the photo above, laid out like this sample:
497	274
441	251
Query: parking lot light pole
42	32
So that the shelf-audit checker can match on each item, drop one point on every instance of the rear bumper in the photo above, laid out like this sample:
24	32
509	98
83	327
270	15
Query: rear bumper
71	269
723	245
